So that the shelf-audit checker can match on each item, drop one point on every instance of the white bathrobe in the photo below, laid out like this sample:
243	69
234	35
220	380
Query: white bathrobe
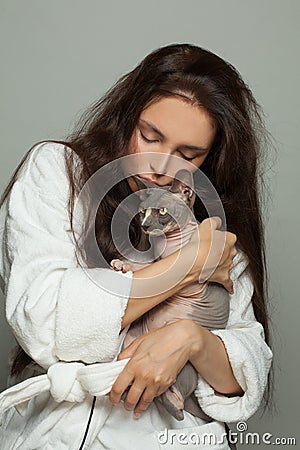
70	325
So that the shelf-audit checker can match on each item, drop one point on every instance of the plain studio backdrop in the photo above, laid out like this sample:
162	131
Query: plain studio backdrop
58	57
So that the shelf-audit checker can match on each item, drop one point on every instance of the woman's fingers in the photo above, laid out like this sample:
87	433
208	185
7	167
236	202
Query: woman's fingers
133	396
129	351
215	222
143	387
228	285
125	378
214	252
139	398
158	358
221	273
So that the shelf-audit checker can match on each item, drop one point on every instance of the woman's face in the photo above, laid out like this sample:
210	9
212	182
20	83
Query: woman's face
171	126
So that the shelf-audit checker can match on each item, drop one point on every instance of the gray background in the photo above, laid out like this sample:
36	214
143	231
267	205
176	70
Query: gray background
57	57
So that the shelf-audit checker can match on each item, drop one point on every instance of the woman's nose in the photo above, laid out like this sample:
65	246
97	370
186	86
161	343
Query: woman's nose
165	164
160	163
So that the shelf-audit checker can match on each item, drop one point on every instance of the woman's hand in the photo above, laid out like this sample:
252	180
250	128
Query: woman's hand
156	359
216	250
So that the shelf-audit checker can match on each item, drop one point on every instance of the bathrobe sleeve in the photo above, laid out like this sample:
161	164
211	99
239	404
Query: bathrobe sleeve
249	355
56	309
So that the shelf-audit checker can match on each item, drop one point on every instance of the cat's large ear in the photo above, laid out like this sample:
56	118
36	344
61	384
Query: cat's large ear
184	187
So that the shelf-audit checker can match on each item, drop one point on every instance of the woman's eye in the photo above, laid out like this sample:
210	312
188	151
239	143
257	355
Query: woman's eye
146	139
186	157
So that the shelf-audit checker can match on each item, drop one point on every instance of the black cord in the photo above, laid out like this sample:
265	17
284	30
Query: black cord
88	424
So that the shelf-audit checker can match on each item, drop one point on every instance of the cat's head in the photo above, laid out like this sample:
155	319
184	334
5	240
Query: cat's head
165	208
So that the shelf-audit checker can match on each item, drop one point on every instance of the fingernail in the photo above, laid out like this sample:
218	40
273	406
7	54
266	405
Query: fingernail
136	415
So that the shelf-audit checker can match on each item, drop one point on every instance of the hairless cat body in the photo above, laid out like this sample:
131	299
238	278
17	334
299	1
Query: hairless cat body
162	213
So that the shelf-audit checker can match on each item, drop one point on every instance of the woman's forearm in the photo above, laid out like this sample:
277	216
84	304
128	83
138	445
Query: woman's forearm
158	281
211	361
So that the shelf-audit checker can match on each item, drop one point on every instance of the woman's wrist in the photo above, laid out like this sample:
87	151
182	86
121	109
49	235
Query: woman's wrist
195	337
211	361
194	258
207	353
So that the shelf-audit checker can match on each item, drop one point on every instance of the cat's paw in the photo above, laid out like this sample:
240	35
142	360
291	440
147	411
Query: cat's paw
173	401
119	265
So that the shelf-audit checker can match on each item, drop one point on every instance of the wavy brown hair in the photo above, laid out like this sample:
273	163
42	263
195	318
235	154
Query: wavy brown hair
233	165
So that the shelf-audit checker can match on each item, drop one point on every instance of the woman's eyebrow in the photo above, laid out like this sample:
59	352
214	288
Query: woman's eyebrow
156	130
153	127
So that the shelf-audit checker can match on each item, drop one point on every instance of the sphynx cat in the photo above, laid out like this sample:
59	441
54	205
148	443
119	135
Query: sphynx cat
162	212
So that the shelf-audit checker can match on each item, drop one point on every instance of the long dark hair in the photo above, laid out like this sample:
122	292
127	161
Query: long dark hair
233	165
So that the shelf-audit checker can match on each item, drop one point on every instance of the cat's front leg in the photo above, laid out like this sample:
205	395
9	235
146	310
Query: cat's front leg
119	265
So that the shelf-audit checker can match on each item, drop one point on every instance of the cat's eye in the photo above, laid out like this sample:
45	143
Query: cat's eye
142	211
163	211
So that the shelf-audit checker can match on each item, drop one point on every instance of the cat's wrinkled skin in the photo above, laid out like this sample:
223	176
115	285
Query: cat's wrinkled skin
169	210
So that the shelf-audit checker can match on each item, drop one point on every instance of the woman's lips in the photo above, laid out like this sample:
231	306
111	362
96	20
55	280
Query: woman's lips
151	181
148	179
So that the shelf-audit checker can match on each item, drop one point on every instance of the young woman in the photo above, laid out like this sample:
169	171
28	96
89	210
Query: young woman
69	318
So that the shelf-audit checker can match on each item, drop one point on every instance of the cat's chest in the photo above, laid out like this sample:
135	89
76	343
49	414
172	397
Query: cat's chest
177	239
